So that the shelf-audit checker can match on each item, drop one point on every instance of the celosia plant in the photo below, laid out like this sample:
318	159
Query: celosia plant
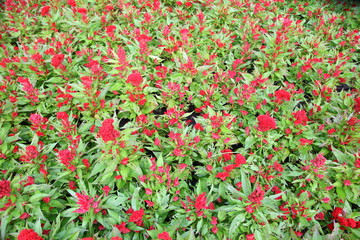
162	119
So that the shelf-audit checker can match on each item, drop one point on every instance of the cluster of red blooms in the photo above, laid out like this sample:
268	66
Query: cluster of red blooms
200	203
31	92
67	126
357	105
85	203
110	30
266	123
319	161
57	60
107	131
28	234
138	98
122	228
136	216
338	215
45	11
30	154
281	96
5	189
250	236
135	79
226	156
257	195
164	236
64	96
300	118
66	157
123	63
37	121
294	210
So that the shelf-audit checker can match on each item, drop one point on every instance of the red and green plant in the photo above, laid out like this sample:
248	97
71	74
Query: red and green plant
161	119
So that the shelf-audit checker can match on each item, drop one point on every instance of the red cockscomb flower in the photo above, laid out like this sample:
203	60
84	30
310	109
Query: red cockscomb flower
29	234
24	216
136	216
122	228
351	223
72	3
304	141
82	11
222	175
337	212
266	123
65	157
164	236
357	105
31	154
239	160
57	60
200	202
45	11
300	117
135	79
85	203
343	221
257	196
107	131
282	95
250	236
5	189
318	161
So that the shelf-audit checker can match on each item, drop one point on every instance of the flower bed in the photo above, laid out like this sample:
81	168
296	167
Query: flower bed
214	119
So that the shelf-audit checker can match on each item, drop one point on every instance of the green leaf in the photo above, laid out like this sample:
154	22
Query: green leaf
316	235
222	190
135	199
62	176
199	225
340	156
124	171
284	154
37	226
249	141
247	77
356	232
201	186
38	197
258	235
97	168
55	227
160	160
114	202
74	236
225	130
107	178
303	222
3	225
246	185
56	203
340	191
235	224
192	234
221	215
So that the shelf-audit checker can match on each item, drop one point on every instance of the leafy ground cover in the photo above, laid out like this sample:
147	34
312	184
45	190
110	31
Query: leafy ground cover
213	119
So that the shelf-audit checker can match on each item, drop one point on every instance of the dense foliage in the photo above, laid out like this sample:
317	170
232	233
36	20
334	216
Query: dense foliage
161	119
